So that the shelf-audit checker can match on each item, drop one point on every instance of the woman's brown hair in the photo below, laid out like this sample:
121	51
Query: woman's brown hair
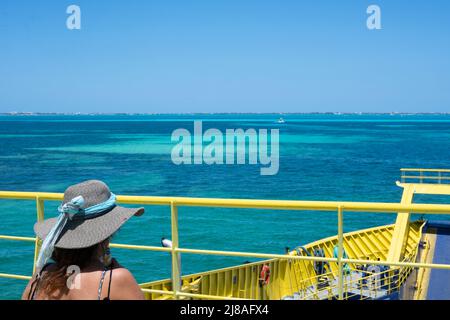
54	283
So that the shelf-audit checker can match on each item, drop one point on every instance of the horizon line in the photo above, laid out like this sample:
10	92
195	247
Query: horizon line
26	113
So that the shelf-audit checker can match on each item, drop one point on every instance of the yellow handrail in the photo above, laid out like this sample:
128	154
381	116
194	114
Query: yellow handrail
175	202
424	170
380	207
432	175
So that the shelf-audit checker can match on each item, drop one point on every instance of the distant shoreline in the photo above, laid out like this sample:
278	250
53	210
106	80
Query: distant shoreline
216	113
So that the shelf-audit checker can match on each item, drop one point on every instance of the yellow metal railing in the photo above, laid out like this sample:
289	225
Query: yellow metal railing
428	175
369	284
175	202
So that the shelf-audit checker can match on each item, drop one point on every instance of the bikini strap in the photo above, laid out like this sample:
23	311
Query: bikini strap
109	285
35	283
100	286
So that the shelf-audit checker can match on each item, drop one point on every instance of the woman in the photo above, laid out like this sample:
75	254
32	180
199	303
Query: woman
74	261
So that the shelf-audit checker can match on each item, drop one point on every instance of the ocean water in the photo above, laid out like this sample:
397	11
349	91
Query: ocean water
322	157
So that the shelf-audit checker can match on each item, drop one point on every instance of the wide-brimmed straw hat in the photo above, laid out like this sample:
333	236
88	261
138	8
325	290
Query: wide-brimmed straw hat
83	230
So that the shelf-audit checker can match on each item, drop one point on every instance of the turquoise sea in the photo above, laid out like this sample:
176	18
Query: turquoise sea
322	157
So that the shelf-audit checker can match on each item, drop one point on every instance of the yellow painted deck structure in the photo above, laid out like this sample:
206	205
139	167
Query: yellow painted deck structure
292	276
365	264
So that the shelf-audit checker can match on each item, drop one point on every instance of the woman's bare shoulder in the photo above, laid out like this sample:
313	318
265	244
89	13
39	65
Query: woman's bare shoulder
124	285
122	276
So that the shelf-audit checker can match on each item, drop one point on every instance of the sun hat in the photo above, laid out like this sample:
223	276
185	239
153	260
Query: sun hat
88	215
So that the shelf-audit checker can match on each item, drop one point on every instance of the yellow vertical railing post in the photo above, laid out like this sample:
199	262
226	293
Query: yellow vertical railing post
340	254
176	277
39	217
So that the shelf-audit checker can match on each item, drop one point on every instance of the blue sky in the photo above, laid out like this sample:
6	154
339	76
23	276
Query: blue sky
224	56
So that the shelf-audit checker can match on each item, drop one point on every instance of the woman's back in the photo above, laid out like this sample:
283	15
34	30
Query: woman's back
92	283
